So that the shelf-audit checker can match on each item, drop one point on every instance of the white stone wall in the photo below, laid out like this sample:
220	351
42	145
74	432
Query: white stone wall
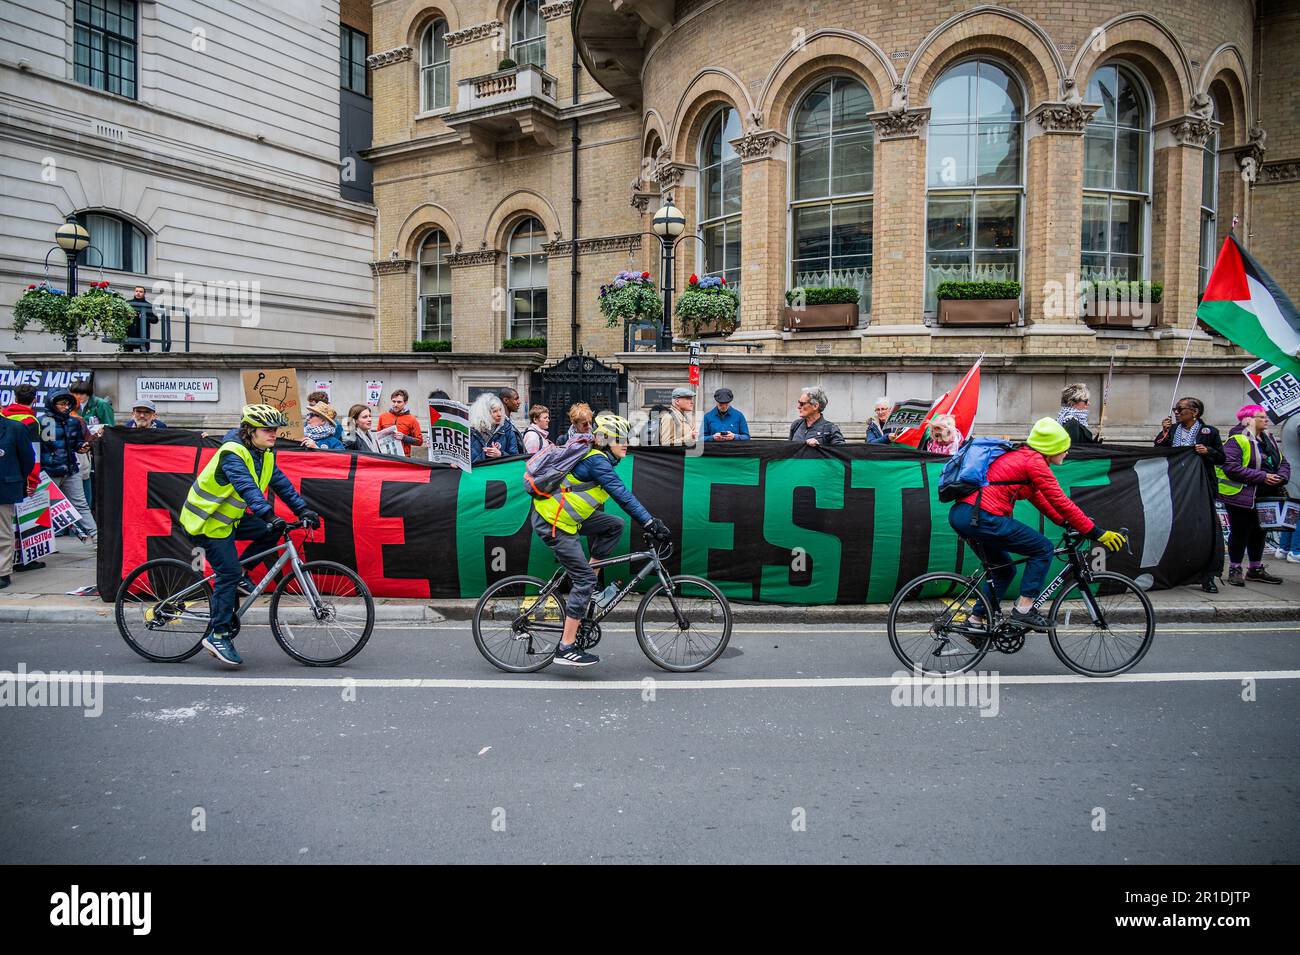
227	158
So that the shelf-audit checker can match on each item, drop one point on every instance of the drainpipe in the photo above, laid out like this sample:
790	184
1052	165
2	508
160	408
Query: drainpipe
574	273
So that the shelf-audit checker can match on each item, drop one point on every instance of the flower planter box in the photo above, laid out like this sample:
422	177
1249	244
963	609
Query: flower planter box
977	312
1102	313
819	318
709	328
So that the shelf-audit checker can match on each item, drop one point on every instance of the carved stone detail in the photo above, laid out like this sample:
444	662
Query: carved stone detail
757	144
601	244
481	257
1192	130
900	123
387	58
480	31
1278	172
1064	117
669	174
553	11
390	266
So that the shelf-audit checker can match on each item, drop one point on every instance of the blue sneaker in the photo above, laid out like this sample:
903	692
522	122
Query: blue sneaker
219	645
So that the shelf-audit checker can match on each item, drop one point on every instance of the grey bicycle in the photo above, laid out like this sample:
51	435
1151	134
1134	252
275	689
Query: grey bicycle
682	623
322	613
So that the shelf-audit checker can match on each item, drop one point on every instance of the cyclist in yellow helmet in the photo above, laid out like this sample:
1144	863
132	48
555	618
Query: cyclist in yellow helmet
234	481
575	510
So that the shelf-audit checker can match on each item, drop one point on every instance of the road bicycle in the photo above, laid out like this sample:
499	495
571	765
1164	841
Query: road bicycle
321	612
683	623
1102	623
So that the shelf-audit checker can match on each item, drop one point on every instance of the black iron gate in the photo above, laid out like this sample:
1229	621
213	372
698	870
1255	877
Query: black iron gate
579	377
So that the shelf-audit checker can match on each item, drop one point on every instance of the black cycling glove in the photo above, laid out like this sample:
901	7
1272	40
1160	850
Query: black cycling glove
658	529
310	519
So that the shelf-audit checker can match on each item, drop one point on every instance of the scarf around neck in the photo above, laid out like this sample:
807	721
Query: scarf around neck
1072	414
318	432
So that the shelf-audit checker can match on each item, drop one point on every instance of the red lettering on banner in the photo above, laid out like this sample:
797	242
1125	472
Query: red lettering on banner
370	531
138	462
297	465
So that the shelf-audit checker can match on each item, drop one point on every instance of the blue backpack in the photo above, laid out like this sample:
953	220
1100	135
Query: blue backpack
967	471
548	466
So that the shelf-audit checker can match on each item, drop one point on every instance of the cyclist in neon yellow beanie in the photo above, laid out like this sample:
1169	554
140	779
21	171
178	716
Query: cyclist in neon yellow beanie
985	516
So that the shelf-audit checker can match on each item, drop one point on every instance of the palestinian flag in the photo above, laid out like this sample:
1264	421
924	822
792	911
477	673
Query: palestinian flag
962	403
1244	305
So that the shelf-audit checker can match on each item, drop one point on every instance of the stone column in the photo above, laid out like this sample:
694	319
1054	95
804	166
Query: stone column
394	81
1053	210
395	319
559	48
1176	222
477	308
898	259
763	156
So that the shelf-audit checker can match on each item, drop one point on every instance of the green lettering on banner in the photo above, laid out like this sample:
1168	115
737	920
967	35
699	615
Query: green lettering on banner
826	478
943	539
541	559
1069	475
475	522
887	479
699	534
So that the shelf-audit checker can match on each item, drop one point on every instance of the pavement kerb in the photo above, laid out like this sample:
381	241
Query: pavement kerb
409	612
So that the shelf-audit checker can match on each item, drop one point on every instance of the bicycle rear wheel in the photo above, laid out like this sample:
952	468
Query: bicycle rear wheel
152	621
1091	648
336	629
694	641
932	633
513	630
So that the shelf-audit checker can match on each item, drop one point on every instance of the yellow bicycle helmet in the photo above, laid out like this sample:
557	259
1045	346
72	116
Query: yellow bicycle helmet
613	427
264	416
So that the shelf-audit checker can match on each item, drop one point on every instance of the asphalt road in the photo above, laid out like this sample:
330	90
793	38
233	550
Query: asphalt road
792	748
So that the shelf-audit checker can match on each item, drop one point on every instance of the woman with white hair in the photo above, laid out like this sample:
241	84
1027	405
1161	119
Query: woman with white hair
942	436
876	431
1073	416
489	438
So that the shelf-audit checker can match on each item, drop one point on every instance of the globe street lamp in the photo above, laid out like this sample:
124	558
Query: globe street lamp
72	237
668	224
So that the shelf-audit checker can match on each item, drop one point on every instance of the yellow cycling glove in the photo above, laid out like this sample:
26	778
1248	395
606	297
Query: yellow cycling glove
1112	540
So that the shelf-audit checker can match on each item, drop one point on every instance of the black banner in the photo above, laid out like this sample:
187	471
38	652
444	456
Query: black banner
773	522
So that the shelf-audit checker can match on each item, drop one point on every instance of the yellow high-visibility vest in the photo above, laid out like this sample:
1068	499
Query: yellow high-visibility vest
1227	487
213	508
574	502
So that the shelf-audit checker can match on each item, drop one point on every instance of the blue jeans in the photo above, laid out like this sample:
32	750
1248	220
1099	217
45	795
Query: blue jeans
1287	541
224	558
1001	537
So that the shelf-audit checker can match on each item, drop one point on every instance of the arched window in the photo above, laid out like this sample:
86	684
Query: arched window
435	288
831	188
114	243
528	34
719	203
974	177
435	67
1209	201
527	280
1116	190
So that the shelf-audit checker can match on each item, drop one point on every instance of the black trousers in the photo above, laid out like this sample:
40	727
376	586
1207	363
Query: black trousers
1245	536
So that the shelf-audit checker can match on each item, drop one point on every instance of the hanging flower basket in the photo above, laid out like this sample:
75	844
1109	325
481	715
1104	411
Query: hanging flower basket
99	313
43	306
630	297
708	306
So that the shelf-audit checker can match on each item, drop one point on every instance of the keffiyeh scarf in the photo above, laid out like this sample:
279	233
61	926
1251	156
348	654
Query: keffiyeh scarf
1186	437
1072	414
318	432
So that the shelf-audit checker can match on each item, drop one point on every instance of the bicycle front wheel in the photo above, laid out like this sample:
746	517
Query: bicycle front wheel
162	610
326	629
692	636
929	625
1112	645
514	629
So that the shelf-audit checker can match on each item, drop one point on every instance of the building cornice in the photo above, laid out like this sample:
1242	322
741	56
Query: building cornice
1191	129
480	31
390	266
1276	173
458	260
387	58
354	361
630	242
553	11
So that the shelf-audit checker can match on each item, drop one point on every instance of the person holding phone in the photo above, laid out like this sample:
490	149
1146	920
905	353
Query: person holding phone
63	437
723	422
491	436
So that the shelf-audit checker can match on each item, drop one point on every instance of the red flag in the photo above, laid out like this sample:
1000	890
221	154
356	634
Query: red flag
962	403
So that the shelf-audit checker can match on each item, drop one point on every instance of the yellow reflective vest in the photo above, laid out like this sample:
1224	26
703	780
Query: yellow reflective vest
213	507
1228	487
573	503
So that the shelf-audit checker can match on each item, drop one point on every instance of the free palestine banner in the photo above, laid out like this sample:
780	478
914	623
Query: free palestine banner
767	521
1244	305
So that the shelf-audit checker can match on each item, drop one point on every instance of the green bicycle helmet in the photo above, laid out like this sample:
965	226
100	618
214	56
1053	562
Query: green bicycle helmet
264	416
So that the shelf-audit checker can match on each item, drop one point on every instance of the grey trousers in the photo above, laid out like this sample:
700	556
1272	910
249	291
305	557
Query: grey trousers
70	485
602	531
7	532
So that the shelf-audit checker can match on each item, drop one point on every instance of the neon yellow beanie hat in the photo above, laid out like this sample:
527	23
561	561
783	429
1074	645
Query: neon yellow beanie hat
1048	437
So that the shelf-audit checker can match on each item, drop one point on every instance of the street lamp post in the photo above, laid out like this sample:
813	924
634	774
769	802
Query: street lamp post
72	237
668	224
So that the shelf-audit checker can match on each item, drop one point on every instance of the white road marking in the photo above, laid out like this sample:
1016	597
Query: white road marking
523	682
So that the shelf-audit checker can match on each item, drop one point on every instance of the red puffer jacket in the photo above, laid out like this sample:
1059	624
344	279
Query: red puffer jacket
1035	482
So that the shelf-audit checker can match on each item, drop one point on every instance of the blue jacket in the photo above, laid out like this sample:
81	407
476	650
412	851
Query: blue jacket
506	437
332	443
715	422
599	468
235	473
876	434
16	461
61	436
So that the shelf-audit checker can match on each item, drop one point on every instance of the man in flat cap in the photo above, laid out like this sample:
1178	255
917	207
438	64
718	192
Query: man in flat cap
724	423
677	424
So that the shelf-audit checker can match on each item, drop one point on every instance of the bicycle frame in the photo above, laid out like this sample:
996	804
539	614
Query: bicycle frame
288	555
1075	567
654	563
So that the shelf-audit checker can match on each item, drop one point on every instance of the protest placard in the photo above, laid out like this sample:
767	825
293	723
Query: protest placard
448	433
277	387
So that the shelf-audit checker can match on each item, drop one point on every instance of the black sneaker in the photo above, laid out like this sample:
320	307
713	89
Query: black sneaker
571	656
34	565
1262	575
1031	619
1235	577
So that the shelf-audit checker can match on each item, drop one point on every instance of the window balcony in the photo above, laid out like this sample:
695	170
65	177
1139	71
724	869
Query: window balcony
517	103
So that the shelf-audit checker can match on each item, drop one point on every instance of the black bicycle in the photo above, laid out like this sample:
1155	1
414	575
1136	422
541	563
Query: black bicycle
322	613
683	623
1101	622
